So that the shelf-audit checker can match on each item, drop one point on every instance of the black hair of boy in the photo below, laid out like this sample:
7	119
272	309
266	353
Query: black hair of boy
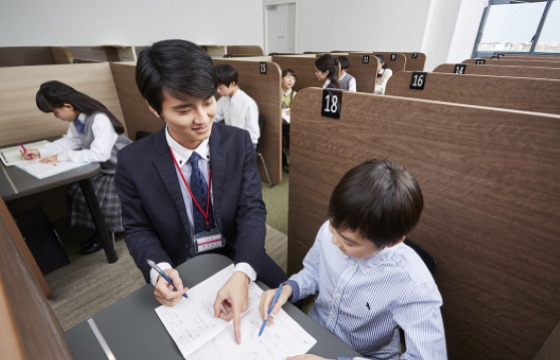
344	62
177	67
289	72
378	199
226	74
54	94
381	59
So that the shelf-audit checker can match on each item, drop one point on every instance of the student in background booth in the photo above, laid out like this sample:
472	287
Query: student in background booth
168	219
235	107
369	284
94	135
327	71
347	81
289	78
383	75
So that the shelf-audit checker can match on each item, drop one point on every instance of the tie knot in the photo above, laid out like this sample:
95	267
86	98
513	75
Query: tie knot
194	159
79	126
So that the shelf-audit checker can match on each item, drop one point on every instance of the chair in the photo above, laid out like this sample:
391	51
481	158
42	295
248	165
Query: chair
430	262
259	154
141	134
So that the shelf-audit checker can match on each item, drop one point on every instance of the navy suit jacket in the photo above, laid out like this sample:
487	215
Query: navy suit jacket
153	208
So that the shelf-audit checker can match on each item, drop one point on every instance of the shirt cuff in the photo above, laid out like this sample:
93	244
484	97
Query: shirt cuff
295	290
247	270
63	156
154	274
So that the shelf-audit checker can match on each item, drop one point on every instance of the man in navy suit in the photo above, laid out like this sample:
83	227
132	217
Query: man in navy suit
164	218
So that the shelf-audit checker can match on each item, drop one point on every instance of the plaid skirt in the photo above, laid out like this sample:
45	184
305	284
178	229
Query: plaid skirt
109	202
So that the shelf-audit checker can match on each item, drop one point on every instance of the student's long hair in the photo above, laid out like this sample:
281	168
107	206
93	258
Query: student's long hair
327	62
381	59
54	94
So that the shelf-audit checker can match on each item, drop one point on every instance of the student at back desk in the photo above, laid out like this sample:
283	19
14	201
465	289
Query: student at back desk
327	70
235	107
94	135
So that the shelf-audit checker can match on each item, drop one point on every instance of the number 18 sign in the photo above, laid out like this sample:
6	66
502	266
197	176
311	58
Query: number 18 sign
331	104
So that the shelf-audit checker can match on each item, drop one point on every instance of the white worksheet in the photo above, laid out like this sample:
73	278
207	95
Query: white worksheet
199	335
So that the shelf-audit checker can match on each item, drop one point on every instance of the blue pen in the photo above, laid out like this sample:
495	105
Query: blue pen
157	268
274	300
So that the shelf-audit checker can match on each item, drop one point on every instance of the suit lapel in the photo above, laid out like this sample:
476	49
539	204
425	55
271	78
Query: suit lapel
168	175
218	166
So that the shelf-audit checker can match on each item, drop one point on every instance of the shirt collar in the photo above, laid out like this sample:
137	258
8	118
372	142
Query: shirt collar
369	264
81	118
327	82
182	154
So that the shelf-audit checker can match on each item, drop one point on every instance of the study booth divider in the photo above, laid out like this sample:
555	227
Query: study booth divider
514	62
500	70
491	193
530	94
262	81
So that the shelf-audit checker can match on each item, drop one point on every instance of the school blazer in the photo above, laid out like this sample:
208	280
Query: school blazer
153	209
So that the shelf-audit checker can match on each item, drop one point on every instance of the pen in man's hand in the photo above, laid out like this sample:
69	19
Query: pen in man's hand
274	300
164	275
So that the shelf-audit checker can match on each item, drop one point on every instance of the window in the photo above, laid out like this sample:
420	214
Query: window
515	26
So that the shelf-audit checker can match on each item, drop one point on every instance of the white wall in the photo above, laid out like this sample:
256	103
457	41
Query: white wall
374	25
130	22
443	29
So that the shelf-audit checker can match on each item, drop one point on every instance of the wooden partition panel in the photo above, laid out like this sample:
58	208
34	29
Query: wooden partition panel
364	69
100	53
415	61
505	70
504	92
21	120
248	50
29	328
25	55
395	61
265	89
531	63
134	107
492	206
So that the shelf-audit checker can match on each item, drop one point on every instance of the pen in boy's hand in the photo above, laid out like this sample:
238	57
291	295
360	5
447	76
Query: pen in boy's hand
164	275
274	300
29	156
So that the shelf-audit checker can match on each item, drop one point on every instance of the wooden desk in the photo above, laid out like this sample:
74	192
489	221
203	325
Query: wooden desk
132	329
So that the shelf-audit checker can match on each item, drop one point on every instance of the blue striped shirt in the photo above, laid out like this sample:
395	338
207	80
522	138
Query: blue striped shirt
365	302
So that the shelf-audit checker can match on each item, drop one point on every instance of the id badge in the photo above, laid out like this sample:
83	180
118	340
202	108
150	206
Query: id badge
208	240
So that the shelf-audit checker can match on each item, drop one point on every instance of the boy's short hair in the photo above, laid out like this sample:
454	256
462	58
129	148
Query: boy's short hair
226	74
378	199
344	62
289	72
179	68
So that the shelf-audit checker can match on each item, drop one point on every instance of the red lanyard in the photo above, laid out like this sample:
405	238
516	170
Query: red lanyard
204	213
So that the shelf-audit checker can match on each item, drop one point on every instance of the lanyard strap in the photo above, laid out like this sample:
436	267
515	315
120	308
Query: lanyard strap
204	213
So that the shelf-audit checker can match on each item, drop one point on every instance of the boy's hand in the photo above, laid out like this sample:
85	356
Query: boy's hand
307	357
164	292
232	299
50	159
30	154
266	300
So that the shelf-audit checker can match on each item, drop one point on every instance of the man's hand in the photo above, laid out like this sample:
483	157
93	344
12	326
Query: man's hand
164	292
232	300
50	159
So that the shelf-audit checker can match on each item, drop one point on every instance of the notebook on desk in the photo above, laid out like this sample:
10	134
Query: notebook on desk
12	155
199	335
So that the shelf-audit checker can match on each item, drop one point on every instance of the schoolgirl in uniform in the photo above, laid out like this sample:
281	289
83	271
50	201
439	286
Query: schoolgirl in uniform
383	75
94	135
327	70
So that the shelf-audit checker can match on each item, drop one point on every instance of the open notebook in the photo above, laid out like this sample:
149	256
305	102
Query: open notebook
12	156
199	335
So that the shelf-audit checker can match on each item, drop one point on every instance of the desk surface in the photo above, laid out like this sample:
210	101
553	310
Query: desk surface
133	330
16	183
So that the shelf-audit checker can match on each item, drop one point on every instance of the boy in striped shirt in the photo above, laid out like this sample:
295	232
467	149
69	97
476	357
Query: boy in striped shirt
369	284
